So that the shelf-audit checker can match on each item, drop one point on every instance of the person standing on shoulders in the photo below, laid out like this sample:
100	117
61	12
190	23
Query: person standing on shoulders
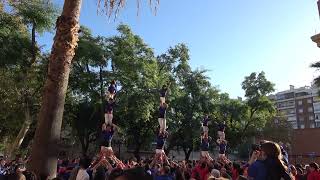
162	116
205	124
108	112
112	90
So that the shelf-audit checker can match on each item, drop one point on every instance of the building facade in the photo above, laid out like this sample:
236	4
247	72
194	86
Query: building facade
301	107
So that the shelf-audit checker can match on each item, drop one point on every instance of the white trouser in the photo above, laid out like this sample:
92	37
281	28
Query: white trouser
162	99
105	148
109	95
221	135
205	129
206	154
221	156
108	118
159	151
162	123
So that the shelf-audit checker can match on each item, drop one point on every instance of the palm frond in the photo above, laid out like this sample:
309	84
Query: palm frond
112	7
315	65
317	81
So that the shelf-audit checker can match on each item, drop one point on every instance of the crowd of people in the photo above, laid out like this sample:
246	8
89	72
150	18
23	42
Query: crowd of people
265	163
268	160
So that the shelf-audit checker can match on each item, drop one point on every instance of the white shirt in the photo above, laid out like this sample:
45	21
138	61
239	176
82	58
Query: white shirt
82	175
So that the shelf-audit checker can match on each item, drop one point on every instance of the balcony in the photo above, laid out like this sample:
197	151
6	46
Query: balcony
286	107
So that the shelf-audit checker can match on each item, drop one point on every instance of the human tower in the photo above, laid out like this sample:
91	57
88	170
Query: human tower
205	139
109	128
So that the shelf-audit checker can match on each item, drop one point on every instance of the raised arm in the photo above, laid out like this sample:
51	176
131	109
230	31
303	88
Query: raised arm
154	160
166	161
116	128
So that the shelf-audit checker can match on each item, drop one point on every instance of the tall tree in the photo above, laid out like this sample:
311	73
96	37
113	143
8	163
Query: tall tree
278	129
256	88
86	124
191	96
39	16
14	34
234	112
135	69
84	88
45	145
44	150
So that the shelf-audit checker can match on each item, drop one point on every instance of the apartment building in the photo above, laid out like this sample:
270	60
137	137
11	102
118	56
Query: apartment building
301	106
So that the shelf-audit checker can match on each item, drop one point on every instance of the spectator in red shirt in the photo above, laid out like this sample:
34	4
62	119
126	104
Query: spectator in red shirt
314	172
235	170
294	172
201	171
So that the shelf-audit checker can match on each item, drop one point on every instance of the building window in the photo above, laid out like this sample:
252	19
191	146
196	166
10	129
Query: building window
302	94
318	124
312	125
310	109
300	102
316	106
301	118
295	125
300	110
291	111
311	117
292	118
291	103
310	101
302	126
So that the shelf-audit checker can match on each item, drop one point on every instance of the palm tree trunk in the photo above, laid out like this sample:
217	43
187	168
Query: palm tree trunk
45	145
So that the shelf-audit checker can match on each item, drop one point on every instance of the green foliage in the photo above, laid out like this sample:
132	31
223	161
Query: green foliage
256	86
22	78
40	13
86	123
316	81
14	40
139	74
191	95
278	130
135	69
246	119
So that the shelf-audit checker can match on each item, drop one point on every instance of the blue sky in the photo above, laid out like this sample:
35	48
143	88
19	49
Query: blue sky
231	38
